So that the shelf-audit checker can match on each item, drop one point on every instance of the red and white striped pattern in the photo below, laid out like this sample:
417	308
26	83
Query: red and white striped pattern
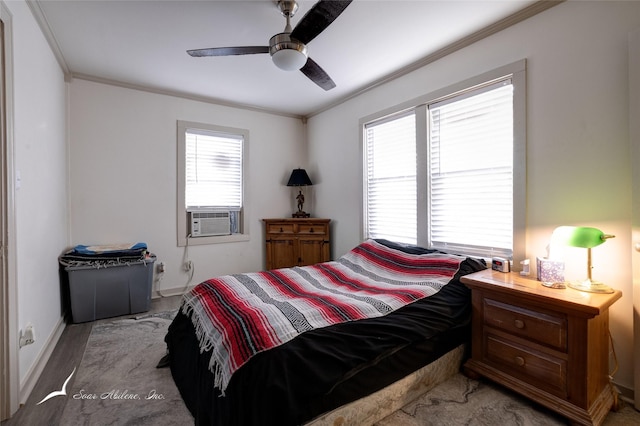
238	316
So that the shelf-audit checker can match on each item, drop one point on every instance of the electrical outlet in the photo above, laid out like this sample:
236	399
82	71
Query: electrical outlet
188	265
160	268
28	336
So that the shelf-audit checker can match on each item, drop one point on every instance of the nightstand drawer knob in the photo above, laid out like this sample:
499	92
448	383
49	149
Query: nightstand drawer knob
519	360
519	324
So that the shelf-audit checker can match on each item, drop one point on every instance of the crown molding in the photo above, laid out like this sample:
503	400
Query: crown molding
179	94
41	19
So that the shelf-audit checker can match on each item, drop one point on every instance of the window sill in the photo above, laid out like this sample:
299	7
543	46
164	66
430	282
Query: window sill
219	239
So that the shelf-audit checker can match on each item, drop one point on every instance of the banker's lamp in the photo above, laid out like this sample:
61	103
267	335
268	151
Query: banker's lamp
585	237
300	178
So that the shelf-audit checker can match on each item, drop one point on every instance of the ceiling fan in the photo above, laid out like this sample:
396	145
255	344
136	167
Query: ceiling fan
288	49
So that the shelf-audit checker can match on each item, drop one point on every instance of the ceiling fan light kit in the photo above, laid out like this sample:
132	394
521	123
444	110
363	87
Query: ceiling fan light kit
288	49
287	54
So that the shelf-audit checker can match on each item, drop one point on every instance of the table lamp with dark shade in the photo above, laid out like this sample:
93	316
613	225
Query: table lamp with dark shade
299	177
585	237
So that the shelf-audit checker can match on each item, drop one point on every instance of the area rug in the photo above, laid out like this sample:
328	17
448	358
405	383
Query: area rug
117	382
463	401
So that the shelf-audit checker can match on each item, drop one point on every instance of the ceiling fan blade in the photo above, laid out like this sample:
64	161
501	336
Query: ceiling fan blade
321	15
228	51
316	74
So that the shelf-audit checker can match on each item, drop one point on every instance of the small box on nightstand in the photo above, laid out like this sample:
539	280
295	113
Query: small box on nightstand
550	271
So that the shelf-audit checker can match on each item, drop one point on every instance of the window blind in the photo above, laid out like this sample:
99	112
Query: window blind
390	200
471	172
213	169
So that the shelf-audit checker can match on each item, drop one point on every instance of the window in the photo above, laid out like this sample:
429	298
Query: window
447	171
211	175
471	171
391	178
213	163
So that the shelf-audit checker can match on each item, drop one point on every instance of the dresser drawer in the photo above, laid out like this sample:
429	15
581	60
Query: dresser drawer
543	327
280	228
312	228
542	369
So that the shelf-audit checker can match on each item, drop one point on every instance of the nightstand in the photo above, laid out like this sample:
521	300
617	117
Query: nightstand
297	242
550	345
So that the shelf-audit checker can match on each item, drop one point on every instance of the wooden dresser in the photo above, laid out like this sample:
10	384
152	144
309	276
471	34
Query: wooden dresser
297	242
550	345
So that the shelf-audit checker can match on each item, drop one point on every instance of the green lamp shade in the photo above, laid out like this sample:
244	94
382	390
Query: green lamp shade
583	237
579	236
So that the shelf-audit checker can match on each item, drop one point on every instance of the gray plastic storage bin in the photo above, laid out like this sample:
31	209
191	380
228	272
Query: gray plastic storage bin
109	291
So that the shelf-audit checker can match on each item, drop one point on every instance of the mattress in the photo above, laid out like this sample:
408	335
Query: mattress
380	404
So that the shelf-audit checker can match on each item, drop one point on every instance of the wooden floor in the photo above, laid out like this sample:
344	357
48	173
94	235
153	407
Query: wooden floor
66	355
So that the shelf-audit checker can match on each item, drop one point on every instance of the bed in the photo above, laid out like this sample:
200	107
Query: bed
395	309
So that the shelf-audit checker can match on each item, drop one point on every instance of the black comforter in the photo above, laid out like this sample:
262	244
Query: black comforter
322	369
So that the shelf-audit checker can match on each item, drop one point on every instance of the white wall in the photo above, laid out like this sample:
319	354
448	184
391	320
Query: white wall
577	138
41	202
123	175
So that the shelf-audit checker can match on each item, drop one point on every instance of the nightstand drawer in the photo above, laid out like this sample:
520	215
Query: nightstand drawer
280	228
545	370
542	327
312	228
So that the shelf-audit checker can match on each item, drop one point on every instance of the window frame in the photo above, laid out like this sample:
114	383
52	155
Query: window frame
181	210
517	72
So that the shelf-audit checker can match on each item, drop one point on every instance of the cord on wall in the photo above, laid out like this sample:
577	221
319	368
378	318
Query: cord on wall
188	265
160	270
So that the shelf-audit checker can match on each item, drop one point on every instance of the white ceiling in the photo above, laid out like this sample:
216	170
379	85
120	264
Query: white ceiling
144	43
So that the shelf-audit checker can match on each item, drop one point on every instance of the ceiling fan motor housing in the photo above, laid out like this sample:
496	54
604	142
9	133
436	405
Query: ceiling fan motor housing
288	54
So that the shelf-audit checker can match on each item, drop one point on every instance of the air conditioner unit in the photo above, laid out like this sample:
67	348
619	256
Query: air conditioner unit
209	223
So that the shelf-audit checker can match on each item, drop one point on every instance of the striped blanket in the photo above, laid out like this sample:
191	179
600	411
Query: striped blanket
238	316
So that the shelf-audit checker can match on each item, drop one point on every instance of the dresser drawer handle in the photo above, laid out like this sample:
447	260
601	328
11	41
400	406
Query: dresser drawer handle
311	230
519	324
281	230
519	361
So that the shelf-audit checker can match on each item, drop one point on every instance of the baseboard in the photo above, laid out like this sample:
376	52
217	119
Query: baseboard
32	376
626	394
169	292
